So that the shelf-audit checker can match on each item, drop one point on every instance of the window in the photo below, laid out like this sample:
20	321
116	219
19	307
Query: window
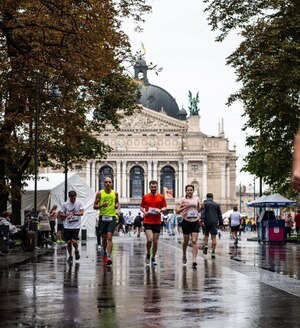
104	172
167	182
136	182
194	167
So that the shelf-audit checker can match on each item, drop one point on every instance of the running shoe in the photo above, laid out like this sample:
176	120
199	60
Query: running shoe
104	259
70	259
99	248
154	263
147	259
213	254
205	249
184	260
236	242
195	265
77	255
109	261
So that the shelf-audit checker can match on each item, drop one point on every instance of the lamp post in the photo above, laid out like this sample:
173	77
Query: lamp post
55	94
66	177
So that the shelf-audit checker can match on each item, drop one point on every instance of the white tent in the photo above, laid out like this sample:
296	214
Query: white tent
51	191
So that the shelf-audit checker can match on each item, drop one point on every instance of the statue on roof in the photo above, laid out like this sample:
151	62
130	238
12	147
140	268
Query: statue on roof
193	103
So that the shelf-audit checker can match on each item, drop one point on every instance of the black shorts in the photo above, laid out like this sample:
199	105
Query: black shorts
190	227
107	226
210	229
235	228
60	227
155	228
71	234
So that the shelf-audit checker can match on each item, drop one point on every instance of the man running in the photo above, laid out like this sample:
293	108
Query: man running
152	205
71	212
107	201
212	216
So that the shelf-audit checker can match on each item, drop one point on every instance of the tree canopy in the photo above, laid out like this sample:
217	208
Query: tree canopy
267	63
79	46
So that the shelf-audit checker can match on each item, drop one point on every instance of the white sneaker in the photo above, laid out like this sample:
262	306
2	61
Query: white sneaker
99	248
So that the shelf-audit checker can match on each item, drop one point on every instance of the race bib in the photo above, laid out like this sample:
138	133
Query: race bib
153	210
74	219
107	218
192	214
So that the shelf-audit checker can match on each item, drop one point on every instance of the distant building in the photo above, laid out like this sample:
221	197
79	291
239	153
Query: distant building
165	144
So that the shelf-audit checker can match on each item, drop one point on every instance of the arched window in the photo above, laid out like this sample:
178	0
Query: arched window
104	172
136	182
167	182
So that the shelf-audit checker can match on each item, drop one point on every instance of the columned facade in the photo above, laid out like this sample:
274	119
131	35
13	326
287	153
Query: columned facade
154	146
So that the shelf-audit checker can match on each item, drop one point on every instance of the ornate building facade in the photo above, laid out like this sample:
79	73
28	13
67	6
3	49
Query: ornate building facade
165	144
155	146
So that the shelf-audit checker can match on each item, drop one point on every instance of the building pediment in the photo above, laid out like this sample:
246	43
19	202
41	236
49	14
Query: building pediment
148	120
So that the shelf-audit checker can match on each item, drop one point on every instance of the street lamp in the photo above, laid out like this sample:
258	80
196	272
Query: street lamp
55	94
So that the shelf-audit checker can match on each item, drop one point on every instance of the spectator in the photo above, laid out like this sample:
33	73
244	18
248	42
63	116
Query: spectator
297	221
53	216
15	232
44	226
288	226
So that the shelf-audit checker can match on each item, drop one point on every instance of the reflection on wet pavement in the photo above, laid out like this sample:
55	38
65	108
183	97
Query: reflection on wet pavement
248	286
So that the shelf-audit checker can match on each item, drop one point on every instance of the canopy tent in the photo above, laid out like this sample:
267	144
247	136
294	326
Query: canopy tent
274	200
51	191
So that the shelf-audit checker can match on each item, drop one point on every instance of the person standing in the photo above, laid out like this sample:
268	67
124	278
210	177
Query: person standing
71	213
152	205
234	222
297	221
212	216
189	208
44	225
107	201
53	216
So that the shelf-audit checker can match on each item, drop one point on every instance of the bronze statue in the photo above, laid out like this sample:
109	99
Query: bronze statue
193	103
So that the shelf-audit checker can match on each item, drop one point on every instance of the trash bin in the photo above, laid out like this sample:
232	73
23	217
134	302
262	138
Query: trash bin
83	233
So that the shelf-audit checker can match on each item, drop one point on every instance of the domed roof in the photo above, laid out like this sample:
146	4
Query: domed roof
158	99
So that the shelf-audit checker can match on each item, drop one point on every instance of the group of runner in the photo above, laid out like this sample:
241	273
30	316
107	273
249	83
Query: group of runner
152	205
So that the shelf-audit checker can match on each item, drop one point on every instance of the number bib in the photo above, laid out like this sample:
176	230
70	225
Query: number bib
107	218
153	210
192	214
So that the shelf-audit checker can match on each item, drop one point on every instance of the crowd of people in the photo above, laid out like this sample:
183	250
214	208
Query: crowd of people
190	217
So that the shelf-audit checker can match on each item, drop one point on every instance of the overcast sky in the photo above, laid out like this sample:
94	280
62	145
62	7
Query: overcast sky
177	38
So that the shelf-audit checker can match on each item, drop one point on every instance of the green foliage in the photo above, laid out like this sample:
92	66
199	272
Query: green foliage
267	63
79	46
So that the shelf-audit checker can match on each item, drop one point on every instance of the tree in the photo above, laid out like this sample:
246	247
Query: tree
267	63
78	45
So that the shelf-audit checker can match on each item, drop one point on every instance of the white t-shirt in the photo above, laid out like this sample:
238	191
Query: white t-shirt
75	221
235	219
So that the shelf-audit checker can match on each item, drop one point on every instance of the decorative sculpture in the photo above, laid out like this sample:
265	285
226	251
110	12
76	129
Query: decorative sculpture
193	103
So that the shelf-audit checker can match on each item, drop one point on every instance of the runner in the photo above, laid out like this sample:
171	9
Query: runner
234	222
71	213
212	217
189	208
152	205
107	201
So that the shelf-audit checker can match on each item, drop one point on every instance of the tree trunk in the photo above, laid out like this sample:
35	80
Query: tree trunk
3	190
16	197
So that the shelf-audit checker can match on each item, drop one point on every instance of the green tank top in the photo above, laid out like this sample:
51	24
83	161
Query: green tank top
110	199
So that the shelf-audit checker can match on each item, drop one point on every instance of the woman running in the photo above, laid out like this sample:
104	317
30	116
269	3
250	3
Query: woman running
189	207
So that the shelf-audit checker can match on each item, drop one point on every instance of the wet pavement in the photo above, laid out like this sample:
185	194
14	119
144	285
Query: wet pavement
249	286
